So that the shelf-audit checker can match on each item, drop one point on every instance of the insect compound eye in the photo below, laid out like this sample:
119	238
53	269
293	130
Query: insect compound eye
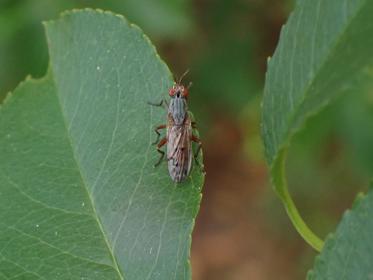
184	92
172	91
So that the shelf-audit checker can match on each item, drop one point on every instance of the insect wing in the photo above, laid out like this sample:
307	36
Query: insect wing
179	152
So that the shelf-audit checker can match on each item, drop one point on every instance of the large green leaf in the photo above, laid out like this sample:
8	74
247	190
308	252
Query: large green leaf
79	197
321	51
348	254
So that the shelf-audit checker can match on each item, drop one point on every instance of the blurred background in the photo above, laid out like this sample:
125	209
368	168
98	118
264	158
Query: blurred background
242	231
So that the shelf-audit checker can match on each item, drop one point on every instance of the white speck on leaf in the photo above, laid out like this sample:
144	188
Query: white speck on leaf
37	225
83	204
98	68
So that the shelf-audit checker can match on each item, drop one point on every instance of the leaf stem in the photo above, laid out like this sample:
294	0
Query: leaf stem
281	187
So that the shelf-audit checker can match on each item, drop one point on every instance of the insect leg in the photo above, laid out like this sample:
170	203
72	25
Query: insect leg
160	144
158	134
194	125
198	141
163	103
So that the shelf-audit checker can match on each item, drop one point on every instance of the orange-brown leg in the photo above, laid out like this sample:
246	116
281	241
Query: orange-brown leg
163	126
159	146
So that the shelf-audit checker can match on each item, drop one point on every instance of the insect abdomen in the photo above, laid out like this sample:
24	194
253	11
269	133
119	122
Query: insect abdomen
179	153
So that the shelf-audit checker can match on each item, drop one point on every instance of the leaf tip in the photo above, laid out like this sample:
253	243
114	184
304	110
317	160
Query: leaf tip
268	59
71	12
67	13
359	197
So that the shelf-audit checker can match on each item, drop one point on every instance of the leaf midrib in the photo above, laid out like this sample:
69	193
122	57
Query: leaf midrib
84	183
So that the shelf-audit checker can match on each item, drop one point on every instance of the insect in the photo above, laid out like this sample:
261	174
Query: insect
179	133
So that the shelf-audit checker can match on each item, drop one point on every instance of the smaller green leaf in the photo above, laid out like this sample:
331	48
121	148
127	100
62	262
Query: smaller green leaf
348	254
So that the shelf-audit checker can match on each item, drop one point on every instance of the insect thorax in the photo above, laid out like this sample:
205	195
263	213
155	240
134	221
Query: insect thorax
178	109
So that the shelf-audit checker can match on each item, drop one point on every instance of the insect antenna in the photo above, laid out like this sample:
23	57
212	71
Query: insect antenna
182	76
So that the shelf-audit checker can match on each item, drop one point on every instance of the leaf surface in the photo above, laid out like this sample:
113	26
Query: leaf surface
348	254
79	197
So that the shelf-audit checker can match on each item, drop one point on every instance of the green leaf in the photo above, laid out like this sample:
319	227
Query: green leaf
322	50
79	197
347	254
